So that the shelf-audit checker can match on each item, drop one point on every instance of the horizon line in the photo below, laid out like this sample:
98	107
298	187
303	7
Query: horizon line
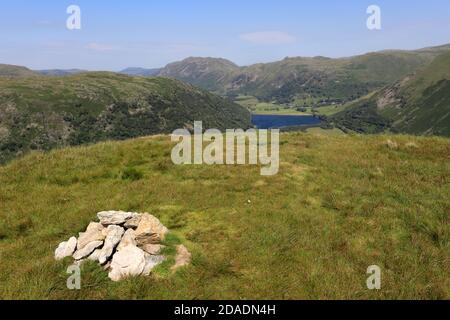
240	66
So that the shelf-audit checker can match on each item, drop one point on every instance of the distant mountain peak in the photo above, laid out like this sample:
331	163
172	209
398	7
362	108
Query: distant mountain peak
13	71
60	72
143	72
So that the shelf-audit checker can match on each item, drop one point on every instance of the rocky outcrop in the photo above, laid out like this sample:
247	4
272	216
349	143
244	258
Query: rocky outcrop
127	244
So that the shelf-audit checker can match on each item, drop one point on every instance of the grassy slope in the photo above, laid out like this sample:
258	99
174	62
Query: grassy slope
387	67
59	72
143	72
209	73
11	71
419	104
335	79
330	110
48	112
426	108
338	205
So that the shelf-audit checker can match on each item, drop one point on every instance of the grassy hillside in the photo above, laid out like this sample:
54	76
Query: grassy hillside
209	73
10	71
299	78
418	104
141	72
47	112
338	205
59	72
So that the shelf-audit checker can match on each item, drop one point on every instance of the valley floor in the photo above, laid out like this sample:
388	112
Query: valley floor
339	204
271	108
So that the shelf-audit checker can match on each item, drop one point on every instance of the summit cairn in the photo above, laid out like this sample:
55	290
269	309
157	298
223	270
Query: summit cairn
127	244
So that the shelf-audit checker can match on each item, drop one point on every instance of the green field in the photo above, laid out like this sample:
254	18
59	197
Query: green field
257	107
339	204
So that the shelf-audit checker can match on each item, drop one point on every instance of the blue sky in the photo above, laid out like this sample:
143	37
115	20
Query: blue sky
119	34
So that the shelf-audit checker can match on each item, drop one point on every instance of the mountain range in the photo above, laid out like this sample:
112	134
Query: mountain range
341	80
289	80
387	91
391	90
59	72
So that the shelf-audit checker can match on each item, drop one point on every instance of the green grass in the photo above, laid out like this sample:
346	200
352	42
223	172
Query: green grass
338	205
273	108
248	102
333	132
330	110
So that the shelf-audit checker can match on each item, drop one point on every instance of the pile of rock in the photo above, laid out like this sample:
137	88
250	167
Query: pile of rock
125	243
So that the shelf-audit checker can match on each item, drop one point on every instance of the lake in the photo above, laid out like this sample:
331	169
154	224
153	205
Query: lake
269	121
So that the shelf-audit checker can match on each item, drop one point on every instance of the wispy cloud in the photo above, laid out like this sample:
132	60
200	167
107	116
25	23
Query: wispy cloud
100	47
268	37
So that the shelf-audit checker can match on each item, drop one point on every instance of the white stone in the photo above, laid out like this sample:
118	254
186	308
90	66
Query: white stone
87	250
66	249
115	217
95	255
128	262
94	232
113	237
129	238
